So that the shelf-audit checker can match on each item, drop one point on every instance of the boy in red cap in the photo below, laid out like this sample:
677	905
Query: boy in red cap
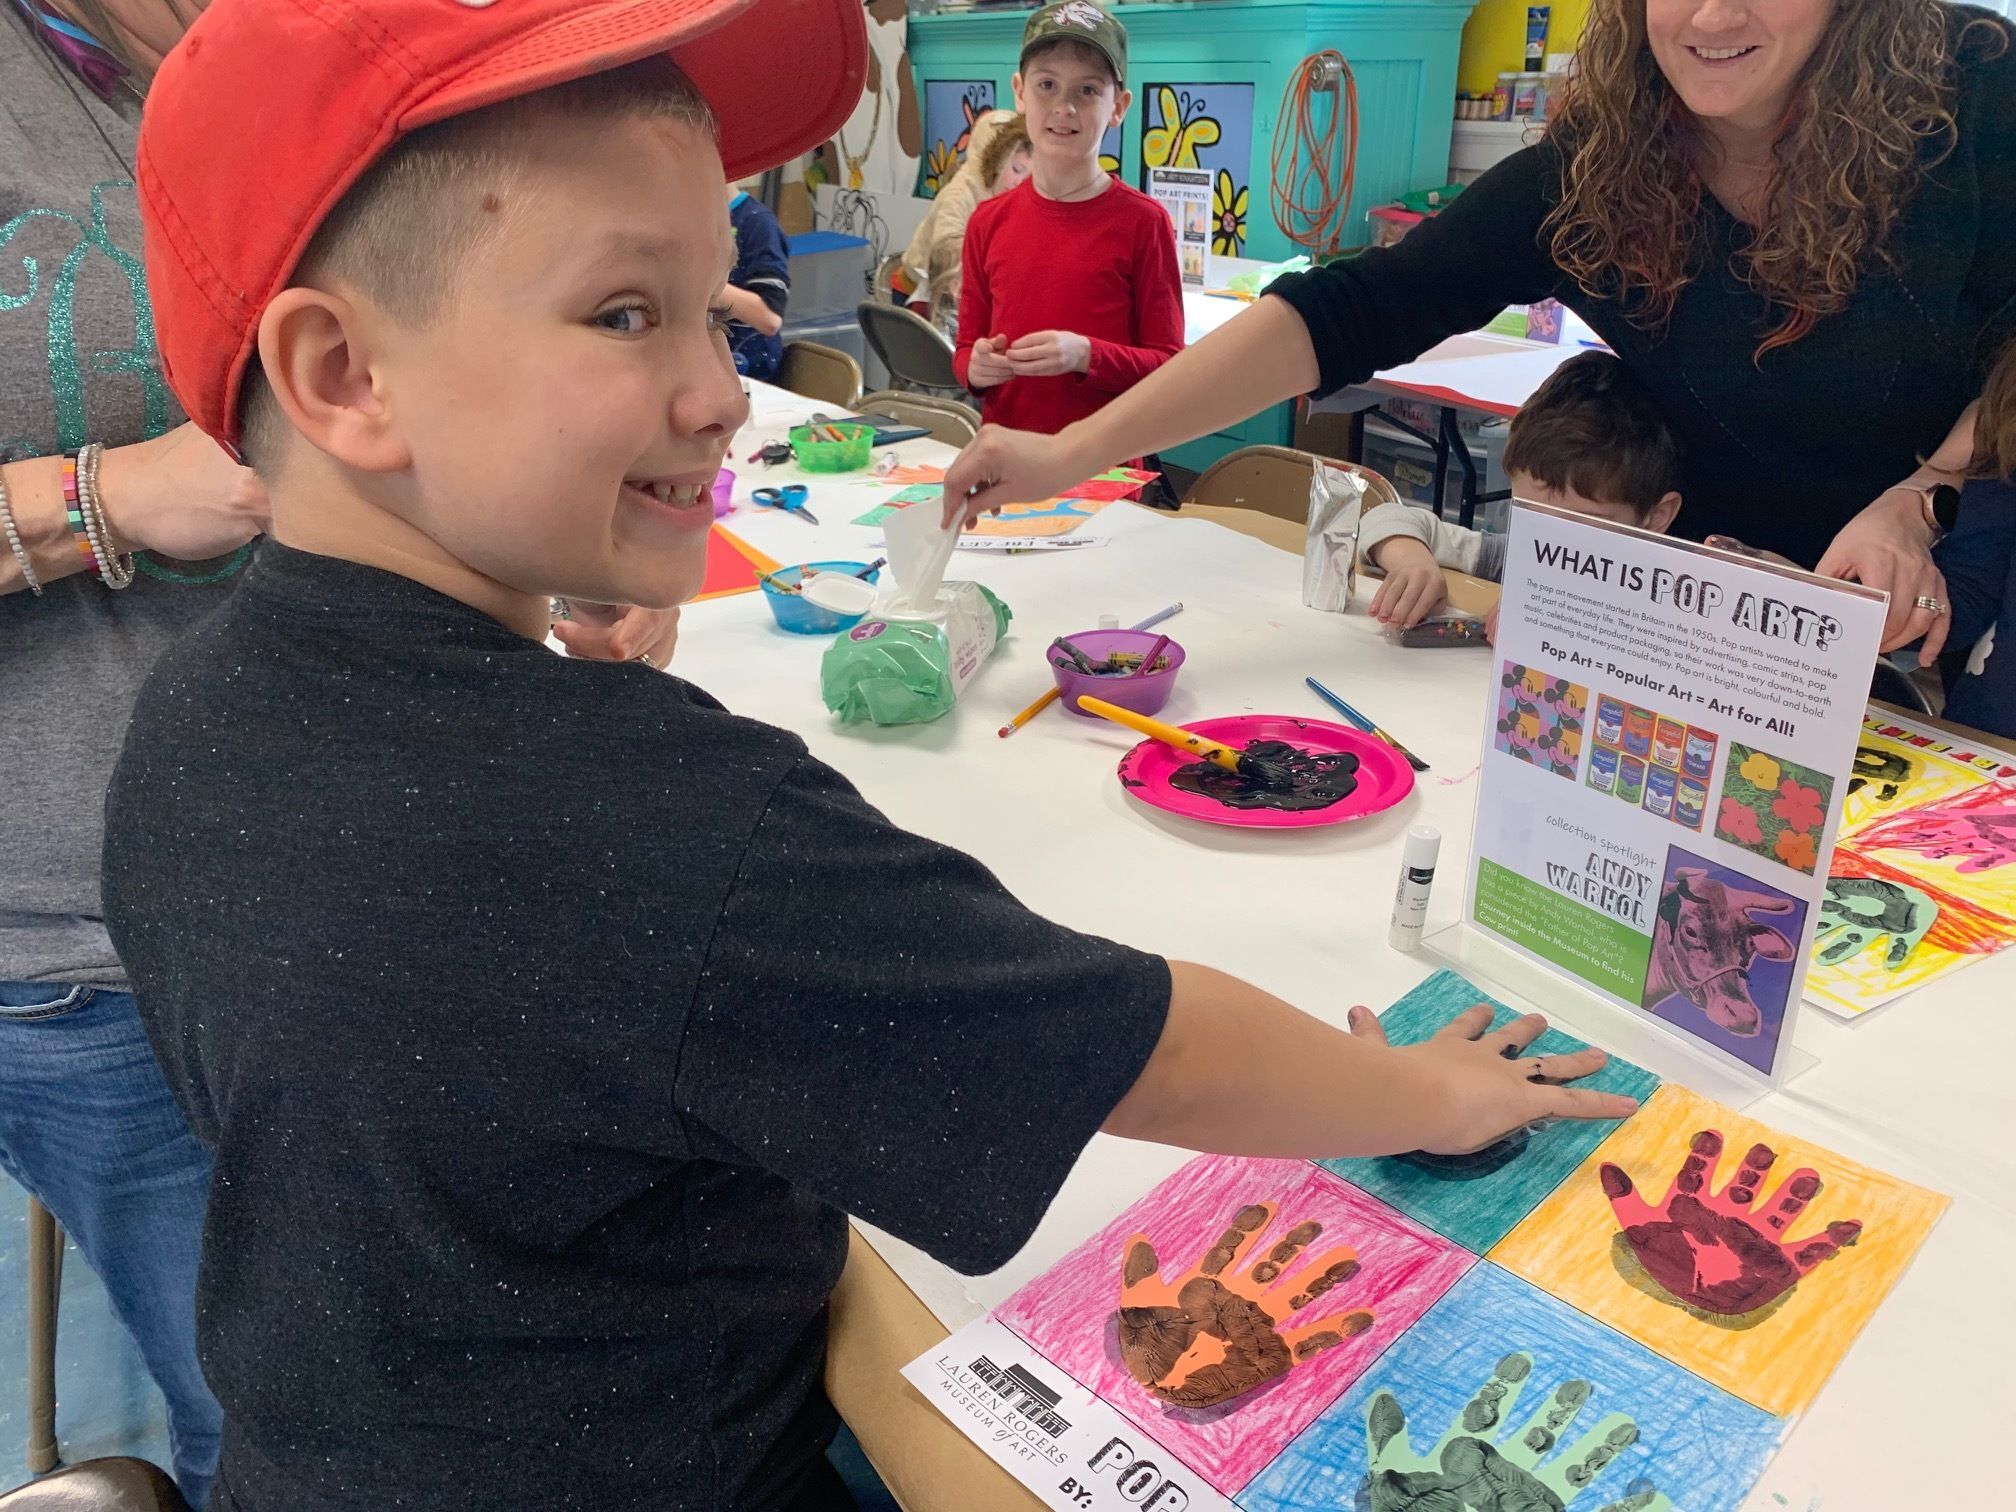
1070	292
544	1017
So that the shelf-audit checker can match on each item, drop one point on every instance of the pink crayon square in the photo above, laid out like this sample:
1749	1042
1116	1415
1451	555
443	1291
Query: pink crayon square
1070	1311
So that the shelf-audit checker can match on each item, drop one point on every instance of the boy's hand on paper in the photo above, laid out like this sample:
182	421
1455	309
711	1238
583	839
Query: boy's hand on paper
1049	354
1000	467
608	632
181	495
1725	1252
985	366
1889	546
1414	588
1483	1086
1199	1340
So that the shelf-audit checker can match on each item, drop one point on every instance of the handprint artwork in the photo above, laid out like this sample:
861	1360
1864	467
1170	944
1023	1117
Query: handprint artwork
1755	1273
1725	1252
1861	912
1224	1311
1504	1399
1202	1340
1482	1465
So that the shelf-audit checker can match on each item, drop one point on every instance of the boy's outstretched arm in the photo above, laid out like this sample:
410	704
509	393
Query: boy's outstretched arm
1239	1072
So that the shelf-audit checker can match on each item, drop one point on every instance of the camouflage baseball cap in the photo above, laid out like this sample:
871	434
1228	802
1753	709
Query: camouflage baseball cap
1083	22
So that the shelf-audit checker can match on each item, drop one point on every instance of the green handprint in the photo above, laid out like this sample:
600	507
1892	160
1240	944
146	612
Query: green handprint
1467	1472
1860	911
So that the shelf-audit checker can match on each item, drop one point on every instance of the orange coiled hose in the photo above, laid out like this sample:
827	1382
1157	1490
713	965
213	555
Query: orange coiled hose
1313	169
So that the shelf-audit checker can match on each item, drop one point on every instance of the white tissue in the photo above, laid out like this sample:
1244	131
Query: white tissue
920	549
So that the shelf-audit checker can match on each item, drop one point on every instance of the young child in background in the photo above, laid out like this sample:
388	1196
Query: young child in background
1591	439
1978	561
1070	293
759	288
580	1013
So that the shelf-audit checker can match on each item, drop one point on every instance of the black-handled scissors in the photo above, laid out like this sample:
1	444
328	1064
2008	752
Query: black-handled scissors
790	498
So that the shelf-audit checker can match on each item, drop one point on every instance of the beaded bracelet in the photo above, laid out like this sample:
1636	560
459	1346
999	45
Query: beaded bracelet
14	541
89	532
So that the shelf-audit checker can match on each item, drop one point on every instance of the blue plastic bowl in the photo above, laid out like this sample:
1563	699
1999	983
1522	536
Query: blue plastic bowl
796	613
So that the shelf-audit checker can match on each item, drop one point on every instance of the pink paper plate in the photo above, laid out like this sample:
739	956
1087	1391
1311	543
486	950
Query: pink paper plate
1384	777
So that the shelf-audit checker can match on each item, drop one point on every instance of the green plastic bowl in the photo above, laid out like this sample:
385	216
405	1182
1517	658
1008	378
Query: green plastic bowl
815	455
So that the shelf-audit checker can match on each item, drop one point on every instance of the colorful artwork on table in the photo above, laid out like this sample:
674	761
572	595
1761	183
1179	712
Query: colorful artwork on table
1540	719
1652	761
1748	1257
1210	126
951	106
1923	880
1275	1336
1725	950
733	566
1478	1199
1773	808
1184	1312
1049	517
1503	1399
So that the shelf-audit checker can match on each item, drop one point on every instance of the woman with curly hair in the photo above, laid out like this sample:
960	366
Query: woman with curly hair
1794	222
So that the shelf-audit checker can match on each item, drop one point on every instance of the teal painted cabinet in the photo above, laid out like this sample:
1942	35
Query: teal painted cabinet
1208	78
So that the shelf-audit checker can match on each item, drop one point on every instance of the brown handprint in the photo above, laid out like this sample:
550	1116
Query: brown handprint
1199	1340
1724	1252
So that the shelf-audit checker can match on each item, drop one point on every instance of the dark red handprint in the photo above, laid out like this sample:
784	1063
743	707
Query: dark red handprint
1724	1252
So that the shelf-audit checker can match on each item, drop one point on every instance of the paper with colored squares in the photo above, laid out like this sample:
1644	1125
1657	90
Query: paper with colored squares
1584	1316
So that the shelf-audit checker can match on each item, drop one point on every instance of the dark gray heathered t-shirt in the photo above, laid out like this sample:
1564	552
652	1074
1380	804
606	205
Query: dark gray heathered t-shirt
543	1017
77	364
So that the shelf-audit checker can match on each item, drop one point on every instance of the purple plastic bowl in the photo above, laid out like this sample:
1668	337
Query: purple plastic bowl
724	492
1145	694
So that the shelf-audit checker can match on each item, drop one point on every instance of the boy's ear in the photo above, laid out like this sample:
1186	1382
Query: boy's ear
319	370
1660	516
1120	105
1015	88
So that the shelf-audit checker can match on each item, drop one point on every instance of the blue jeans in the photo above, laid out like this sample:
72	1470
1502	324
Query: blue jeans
88	1126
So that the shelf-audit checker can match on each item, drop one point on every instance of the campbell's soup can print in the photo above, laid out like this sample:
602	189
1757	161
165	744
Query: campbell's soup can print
1699	759
1659	785
1602	768
1610	721
1630	778
1667	741
1690	804
1638	731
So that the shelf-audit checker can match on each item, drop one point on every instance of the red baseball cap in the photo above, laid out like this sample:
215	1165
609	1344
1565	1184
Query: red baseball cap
268	111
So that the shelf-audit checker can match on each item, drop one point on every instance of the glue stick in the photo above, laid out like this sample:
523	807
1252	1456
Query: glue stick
1410	898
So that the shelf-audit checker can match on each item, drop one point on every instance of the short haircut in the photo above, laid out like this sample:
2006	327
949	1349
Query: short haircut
1009	138
1594	428
403	229
1085	52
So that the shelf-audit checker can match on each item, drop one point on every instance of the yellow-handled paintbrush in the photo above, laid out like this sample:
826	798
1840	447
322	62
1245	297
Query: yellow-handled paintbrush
1268	774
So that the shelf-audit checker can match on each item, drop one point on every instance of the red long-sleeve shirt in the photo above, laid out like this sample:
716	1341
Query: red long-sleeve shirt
1104	267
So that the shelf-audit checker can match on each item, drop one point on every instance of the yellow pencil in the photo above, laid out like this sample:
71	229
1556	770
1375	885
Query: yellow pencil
1027	714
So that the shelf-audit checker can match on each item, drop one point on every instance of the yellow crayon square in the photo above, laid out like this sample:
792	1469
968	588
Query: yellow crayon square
1725	1254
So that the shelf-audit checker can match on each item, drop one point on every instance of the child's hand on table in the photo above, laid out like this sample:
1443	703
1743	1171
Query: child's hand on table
986	367
1049	354
1413	589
